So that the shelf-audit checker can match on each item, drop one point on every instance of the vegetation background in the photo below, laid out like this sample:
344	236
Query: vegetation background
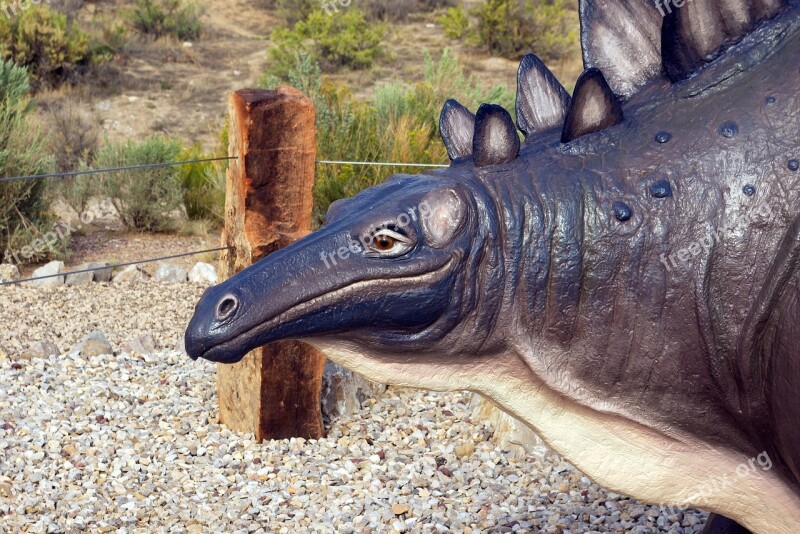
123	82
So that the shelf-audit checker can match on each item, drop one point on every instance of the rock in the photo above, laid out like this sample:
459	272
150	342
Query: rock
343	391
49	270
141	345
100	275
4	354
203	273
94	344
509	433
9	272
464	450
129	275
170	273
80	279
45	349
400	509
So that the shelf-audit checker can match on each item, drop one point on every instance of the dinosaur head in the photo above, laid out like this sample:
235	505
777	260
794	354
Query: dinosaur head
388	273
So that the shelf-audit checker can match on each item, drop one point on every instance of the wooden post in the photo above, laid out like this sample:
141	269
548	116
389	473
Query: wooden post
274	392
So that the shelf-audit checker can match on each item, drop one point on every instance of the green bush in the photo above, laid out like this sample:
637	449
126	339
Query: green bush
203	187
40	38
455	22
146	199
346	40
160	18
399	125
511	28
23	152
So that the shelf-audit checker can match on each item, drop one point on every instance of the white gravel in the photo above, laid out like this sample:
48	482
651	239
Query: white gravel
131	443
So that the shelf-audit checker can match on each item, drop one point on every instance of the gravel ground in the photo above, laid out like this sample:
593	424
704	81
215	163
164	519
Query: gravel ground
132	443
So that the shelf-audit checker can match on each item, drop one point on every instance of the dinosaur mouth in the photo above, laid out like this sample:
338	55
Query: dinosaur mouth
236	348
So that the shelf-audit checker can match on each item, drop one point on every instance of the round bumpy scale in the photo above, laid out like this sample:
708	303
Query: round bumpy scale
622	211
749	190
729	129
661	189
663	137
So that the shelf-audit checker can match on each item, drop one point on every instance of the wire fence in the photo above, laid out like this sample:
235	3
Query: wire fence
169	164
204	160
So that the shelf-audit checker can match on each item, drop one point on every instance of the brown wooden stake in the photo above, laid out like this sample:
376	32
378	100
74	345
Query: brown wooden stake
274	392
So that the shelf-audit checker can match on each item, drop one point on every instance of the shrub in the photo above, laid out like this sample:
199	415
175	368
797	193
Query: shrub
23	215
146	199
511	28
160	18
455	22
40	38
399	125
345	40
203	187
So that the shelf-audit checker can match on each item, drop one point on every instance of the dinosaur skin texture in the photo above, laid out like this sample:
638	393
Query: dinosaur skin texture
633	292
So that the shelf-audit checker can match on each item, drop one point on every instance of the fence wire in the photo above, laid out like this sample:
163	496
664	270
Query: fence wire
205	160
113	169
115	266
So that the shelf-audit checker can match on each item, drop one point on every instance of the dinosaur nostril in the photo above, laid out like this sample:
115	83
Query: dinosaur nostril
227	307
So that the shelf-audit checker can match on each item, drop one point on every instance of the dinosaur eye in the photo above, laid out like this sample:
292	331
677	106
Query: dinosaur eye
387	240
384	242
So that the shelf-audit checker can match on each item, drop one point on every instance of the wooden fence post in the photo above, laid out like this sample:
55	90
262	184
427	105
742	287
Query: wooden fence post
274	392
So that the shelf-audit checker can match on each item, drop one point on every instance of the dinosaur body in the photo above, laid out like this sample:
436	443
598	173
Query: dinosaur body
626	284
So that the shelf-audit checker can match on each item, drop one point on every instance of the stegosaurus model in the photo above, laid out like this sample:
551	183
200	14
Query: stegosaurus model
625	281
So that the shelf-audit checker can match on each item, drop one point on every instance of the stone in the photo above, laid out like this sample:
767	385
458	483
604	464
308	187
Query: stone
203	273
130	274
141	345
45	349
94	344
100	275
49	270
344	391
399	509
80	279
170	273
4	354
9	272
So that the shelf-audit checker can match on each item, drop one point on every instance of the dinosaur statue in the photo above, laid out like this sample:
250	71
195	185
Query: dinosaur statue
625	281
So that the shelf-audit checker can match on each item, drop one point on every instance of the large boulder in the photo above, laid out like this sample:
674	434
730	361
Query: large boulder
203	273
141	345
94	344
130	274
9	272
49	270
87	277
173	274
343	391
